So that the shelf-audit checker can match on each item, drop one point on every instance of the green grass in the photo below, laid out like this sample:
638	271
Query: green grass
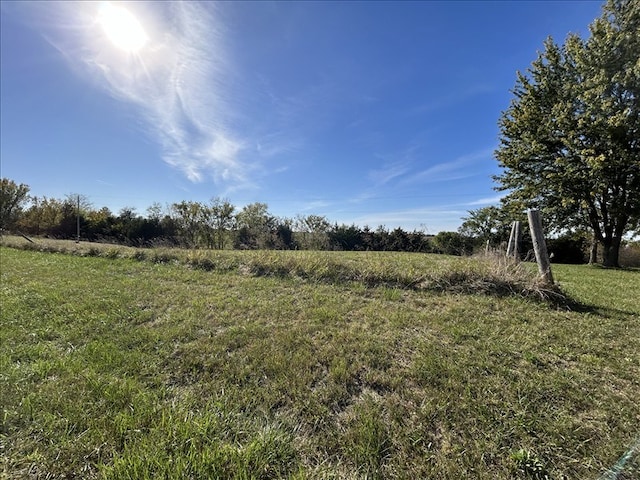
311	365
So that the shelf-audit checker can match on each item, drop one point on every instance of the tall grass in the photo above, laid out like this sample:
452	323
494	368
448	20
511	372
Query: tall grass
493	275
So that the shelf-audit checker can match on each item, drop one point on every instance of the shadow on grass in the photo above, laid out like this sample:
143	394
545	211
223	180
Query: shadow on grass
604	312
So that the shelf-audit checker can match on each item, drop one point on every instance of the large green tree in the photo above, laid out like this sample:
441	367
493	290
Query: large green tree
570	140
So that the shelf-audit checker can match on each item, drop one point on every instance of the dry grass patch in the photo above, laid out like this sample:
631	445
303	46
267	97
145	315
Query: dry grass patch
493	275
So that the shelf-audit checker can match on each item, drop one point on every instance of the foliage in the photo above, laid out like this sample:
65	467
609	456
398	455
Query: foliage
312	232
630	255
256	224
489	224
570	140
13	196
188	217
346	237
215	225
526	462
220	220
453	243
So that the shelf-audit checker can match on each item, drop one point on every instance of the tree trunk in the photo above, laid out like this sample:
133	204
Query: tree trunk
610	252
593	254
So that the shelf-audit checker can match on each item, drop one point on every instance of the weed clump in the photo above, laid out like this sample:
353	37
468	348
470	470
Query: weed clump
496	276
112	253
139	255
200	261
162	256
527	463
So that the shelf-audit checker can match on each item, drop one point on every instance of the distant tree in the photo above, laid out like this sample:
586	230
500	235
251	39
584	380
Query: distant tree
151	228
30	219
452	243
169	231
568	248
244	239
283	235
188	217
222	220
346	237
43	217
419	242
79	198
67	226
484	224
368	238
136	230
154	211
312	231
255	227
398	240
100	224
381	238
570	141
13	197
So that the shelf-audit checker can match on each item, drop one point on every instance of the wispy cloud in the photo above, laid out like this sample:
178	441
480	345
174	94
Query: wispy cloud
388	172
485	201
102	182
446	101
314	205
456	169
428	219
393	167
178	82
277	143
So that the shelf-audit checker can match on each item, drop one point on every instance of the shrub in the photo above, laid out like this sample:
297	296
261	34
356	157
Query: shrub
200	261
453	243
111	253
139	255
568	249
162	256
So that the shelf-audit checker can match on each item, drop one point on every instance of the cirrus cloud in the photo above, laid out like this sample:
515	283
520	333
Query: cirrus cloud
178	82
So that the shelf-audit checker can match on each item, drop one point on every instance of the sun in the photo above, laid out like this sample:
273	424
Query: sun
122	28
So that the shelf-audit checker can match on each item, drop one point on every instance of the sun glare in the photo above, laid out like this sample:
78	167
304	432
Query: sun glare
122	27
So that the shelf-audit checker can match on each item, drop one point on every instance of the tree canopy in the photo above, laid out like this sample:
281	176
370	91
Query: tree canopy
13	196
570	140
488	224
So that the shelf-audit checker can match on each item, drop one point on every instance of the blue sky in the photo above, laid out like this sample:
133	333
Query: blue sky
366	112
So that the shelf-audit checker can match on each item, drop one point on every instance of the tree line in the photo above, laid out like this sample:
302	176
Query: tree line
216	224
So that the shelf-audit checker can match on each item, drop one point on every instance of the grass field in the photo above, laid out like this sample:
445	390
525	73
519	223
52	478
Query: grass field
138	364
